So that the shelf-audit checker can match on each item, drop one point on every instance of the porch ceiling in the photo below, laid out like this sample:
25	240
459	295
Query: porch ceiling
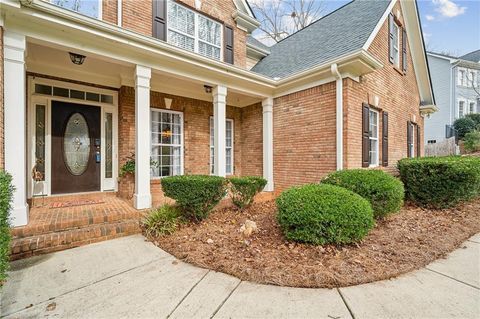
53	60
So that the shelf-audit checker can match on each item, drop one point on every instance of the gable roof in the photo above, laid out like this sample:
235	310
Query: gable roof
342	31
472	56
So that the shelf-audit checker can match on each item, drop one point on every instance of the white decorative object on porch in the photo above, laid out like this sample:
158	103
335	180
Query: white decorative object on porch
142	196
219	116
15	126
267	105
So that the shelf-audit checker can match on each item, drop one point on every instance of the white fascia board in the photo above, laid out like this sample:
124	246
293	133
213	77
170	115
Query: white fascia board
379	25
451	60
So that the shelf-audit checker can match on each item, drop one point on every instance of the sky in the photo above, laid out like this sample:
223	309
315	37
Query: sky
449	26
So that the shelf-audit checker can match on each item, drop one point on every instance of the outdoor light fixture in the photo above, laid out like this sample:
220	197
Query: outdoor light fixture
77	59
208	88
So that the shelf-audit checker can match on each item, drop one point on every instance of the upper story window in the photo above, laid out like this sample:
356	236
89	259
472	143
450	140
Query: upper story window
462	77
194	32
396	45
91	8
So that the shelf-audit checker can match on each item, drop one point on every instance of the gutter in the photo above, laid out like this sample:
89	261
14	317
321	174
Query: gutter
339	114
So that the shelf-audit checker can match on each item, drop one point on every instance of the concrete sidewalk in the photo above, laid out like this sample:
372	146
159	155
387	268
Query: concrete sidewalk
131	278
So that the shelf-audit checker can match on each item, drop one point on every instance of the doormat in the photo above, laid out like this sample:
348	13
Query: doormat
75	203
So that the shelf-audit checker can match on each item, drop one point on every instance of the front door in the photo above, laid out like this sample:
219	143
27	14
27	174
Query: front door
75	148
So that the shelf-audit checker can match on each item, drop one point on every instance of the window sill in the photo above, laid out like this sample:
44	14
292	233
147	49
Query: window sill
398	70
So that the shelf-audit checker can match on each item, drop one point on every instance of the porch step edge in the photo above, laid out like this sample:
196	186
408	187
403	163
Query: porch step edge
66	239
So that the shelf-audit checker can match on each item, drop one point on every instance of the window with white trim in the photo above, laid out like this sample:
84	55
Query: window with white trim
373	137
472	107
461	109
412	144
396	45
194	32
472	79
228	146
461	77
91	8
166	143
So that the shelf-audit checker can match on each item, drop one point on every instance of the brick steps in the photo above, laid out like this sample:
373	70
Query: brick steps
22	247
63	222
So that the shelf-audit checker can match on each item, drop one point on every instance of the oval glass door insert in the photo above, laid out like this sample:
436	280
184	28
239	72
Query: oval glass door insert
76	144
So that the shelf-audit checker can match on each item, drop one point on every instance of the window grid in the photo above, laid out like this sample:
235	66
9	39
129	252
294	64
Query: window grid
461	109
166	157
396	44
194	32
373	138
229	140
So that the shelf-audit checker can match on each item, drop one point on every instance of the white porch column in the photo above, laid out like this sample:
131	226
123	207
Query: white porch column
15	122
142	196
267	105
219	133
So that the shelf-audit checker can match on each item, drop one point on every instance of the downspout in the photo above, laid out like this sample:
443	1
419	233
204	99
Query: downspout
119	12
339	115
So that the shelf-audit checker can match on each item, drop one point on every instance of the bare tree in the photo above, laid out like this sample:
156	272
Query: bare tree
280	18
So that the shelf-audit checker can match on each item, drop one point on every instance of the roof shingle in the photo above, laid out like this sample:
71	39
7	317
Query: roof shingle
340	32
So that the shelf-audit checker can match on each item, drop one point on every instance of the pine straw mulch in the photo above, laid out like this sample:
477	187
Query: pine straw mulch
401	243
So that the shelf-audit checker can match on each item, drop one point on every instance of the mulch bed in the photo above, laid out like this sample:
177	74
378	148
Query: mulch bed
401	243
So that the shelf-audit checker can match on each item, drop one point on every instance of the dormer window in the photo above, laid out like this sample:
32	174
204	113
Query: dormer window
194	32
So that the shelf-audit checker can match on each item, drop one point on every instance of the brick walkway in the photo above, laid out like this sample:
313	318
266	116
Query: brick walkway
58	223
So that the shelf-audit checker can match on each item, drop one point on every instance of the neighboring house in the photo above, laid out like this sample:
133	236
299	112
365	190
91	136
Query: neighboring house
456	85
169	82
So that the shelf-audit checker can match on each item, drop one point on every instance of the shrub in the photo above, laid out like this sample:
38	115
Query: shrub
382	190
245	188
440	182
464	126
6	195
475	117
472	141
321	214
162	221
196	195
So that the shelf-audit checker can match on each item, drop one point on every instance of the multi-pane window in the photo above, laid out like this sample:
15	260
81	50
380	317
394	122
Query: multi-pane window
472	79
461	109
412	139
396	45
373	137
228	147
194	32
91	8
471	108
461	77
166	143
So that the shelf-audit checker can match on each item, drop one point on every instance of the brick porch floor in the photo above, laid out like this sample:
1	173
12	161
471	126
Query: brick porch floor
57	223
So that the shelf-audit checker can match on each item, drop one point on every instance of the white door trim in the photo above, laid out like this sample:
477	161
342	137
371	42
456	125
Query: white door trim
34	99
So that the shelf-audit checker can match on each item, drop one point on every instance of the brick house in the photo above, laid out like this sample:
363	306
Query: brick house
182	87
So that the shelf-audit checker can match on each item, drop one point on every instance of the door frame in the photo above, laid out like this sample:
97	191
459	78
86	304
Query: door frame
44	188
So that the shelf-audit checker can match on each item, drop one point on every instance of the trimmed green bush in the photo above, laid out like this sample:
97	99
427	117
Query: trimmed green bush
6	196
472	141
440	182
382	190
476	118
463	126
163	220
196	195
322	214
245	188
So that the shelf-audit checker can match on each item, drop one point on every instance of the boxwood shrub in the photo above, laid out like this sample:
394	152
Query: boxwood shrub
6	195
321	214
440	182
245	188
382	190
196	195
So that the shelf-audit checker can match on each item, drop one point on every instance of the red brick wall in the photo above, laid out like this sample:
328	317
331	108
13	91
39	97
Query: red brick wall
196	118
2	136
252	140
398	95
137	16
109	11
304	136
